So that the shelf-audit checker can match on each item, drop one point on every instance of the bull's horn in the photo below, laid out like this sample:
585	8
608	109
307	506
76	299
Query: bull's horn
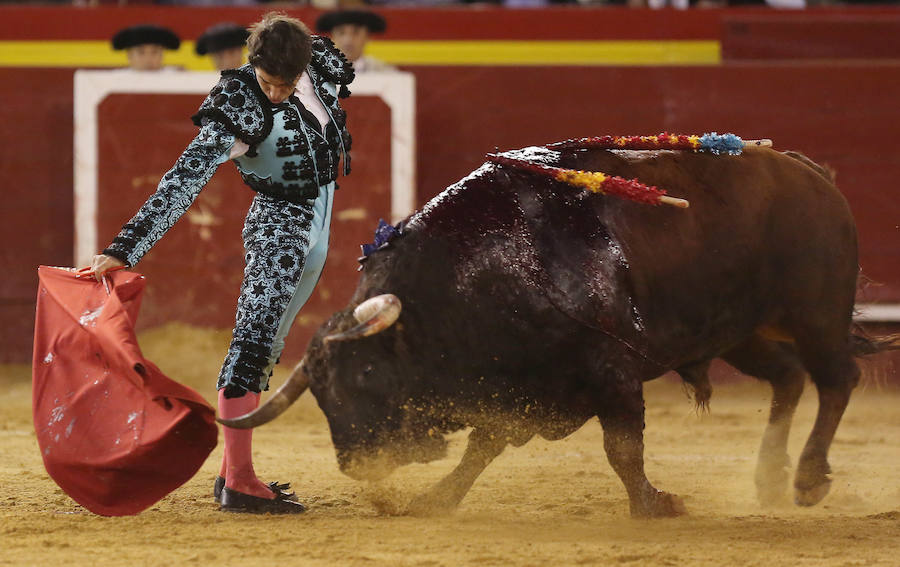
374	315
293	388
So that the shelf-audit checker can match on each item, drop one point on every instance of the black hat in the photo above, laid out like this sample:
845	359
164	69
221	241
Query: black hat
329	20
220	37
145	33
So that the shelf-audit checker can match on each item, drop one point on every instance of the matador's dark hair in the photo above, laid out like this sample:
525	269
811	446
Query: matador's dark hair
280	45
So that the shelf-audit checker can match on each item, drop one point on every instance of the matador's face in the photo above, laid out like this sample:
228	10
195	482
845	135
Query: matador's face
277	90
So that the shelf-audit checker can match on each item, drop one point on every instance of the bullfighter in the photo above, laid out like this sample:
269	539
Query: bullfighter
278	118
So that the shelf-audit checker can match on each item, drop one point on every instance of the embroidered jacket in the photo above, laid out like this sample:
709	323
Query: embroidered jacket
289	158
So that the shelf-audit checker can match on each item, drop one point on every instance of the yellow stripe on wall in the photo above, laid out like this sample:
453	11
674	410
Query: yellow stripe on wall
546	52
500	52
88	54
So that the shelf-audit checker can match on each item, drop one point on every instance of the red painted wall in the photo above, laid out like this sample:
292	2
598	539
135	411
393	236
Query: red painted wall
36	210
816	36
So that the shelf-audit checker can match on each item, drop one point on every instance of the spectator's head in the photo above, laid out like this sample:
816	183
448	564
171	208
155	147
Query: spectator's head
350	29
144	44
224	43
279	48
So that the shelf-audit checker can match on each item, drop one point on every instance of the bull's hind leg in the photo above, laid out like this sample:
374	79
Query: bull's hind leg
622	416
445	496
779	365
833	370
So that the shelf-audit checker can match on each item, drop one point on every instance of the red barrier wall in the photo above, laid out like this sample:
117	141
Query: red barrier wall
36	214
819	36
841	114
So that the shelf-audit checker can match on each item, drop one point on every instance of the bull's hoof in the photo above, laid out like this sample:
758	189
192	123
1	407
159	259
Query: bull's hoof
431	504
812	496
659	505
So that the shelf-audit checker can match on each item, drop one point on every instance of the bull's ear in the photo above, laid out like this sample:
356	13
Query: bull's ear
374	315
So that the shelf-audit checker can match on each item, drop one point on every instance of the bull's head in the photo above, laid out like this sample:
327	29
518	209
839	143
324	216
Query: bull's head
373	316
356	379
364	390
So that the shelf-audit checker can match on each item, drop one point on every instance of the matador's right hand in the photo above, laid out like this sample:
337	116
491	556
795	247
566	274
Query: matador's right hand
100	264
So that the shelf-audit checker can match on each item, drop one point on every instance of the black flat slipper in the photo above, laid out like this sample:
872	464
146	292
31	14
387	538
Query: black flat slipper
234	501
217	488
276	487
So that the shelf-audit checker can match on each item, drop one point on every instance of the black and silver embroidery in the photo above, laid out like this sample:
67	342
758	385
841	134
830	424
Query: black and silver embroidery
238	103
329	60
276	240
297	158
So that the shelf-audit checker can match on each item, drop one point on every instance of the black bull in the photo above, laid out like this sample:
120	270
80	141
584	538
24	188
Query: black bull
529	307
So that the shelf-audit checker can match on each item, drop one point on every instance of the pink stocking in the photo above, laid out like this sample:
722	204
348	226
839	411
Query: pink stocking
237	465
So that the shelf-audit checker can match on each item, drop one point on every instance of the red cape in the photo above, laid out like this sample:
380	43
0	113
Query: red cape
115	433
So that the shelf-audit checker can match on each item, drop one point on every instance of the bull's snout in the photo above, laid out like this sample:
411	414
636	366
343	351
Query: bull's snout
378	464
360	466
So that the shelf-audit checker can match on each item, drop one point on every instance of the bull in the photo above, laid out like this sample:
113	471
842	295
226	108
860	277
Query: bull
529	307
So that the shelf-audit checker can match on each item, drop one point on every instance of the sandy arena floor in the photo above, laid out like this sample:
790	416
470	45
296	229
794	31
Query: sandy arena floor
546	503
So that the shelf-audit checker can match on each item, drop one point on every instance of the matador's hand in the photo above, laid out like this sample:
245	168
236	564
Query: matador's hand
100	264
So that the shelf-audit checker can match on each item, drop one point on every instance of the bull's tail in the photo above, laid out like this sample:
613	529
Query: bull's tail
863	344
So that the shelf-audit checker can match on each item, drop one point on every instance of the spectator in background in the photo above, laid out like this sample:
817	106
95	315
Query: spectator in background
224	43
350	31
145	44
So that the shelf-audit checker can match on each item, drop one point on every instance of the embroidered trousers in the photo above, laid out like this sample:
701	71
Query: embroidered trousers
285	249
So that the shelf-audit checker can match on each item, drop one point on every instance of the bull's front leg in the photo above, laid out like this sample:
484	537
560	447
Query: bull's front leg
445	496
623	438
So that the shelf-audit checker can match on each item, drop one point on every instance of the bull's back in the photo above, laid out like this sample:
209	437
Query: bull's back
766	238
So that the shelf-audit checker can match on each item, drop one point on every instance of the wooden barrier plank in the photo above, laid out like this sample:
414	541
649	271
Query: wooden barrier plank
36	219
